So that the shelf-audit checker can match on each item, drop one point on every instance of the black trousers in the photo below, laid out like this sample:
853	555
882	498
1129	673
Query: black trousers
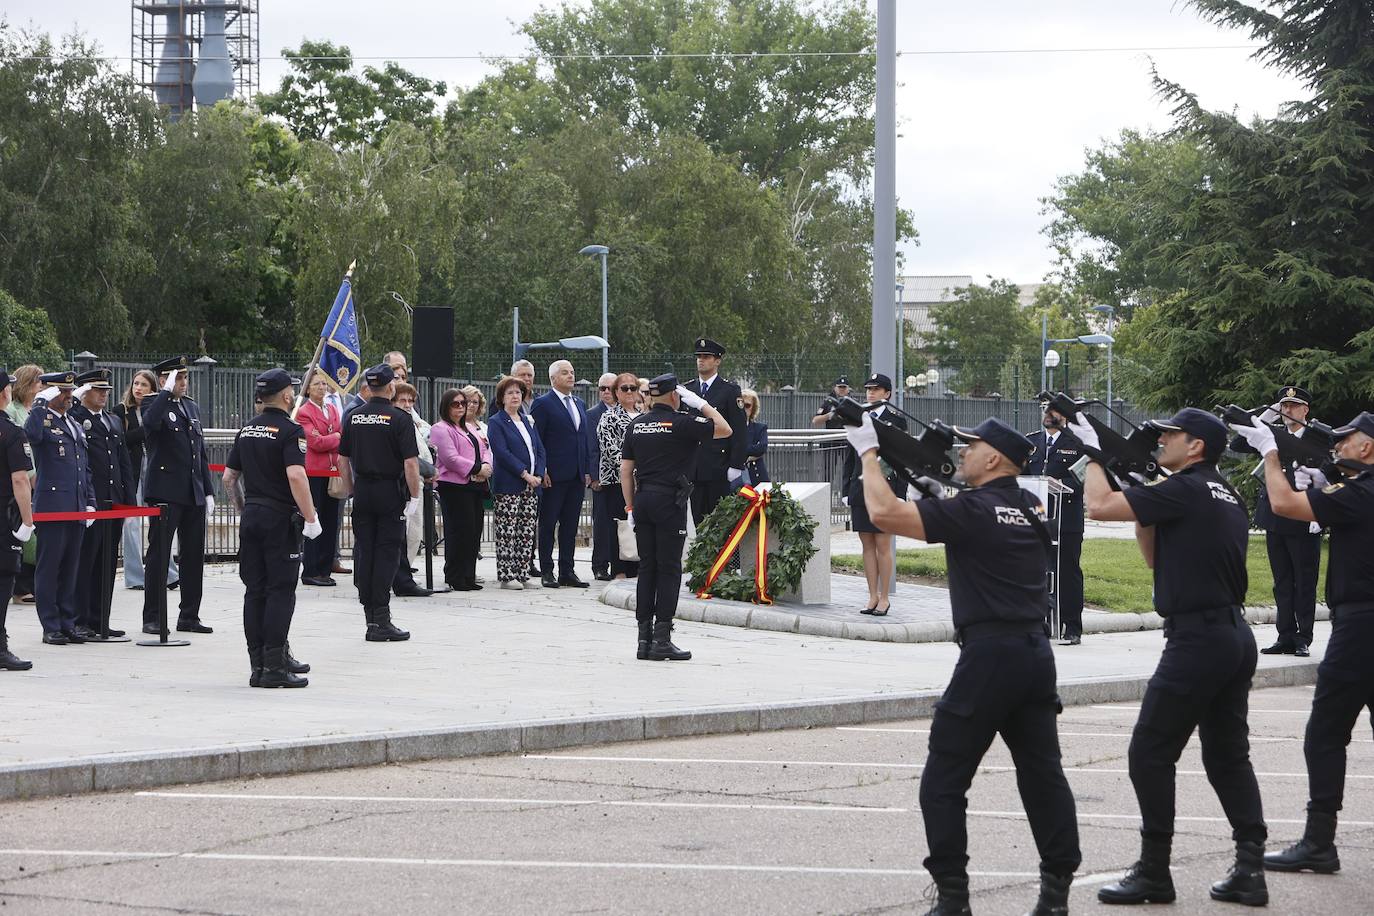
1003	685
1295	560
559	509
1345	688
379	539
705	494
615	511
187	522
604	547
11	552
660	531
462	510
318	559
1202	682
269	562
59	560
96	575
1069	584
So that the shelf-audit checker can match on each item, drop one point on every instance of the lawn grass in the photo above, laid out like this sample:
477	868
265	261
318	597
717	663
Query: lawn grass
1115	577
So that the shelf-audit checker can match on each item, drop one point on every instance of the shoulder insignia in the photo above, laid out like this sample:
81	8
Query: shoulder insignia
28	450
1332	488
701	419
301	443
1155	481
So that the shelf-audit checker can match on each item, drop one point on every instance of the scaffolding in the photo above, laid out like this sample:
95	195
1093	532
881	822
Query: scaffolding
166	38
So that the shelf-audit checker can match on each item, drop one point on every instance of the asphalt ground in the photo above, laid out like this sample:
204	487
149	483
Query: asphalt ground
814	821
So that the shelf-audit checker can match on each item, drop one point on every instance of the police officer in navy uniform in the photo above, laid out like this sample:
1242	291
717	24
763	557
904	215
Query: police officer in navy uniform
660	444
113	478
720	464
1056	451
1344	505
1004	682
178	481
379	463
63	484
825	414
16	496
1192	530
276	510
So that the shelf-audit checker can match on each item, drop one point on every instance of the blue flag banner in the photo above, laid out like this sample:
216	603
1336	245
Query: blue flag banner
339	360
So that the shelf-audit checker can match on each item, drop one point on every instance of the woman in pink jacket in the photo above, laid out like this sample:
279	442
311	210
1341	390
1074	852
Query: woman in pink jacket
463	459
322	428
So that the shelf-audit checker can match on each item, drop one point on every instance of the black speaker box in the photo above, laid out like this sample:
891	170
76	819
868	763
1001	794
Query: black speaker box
431	342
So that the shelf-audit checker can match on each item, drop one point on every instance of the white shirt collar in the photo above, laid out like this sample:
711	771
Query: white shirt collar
707	382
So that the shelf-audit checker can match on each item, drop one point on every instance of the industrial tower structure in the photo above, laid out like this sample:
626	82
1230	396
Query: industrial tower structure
194	52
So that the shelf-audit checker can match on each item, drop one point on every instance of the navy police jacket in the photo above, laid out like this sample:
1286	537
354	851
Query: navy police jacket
1055	462
63	483
112	472
178	469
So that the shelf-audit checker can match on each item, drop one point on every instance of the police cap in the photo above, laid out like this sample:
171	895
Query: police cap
379	376
878	380
96	378
5	380
708	347
60	379
1200	425
1293	394
1364	423
176	362
841	382
272	381
1000	436
663	384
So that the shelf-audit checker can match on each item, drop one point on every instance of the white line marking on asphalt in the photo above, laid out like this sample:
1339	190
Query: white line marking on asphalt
1301	712
1120	735
585	802
1087	816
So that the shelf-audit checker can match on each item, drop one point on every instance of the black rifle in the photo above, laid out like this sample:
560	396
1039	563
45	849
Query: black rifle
1129	458
921	460
1311	450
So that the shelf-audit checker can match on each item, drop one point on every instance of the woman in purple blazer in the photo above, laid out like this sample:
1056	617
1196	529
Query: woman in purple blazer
464	462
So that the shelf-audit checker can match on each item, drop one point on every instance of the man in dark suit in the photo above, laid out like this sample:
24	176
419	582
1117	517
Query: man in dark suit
112	475
561	421
603	525
1056	450
720	462
177	480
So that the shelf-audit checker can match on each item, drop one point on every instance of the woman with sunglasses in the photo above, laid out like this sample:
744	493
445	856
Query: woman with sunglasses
610	434
463	458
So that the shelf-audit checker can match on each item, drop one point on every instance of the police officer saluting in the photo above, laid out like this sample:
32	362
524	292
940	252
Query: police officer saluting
112	476
660	445
178	481
379	463
1192	530
1056	450
1004	681
16	497
63	484
719	464
275	510
1345	678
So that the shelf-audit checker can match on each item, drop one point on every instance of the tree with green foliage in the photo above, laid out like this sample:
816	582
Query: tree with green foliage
26	335
981	332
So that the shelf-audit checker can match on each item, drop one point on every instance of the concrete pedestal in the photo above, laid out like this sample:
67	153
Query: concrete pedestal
814	587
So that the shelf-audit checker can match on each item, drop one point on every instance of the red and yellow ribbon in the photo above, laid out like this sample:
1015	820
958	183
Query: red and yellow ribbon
758	506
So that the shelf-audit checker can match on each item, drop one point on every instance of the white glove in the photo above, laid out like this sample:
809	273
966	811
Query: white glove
844	500
171	380
412	506
47	394
1317	478
80	392
864	438
927	488
313	528
1259	436
1302	479
89	521
23	533
695	401
209	505
630	518
734	473
1314	527
1271	414
1081	428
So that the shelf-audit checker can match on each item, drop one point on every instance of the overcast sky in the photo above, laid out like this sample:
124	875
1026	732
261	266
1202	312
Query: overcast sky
982	136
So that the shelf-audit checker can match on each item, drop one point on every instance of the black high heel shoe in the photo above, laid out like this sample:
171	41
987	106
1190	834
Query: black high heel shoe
883	613
869	610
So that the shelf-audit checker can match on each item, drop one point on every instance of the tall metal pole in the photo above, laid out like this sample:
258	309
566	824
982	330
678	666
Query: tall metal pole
605	328
515	334
1044	346
885	192
900	378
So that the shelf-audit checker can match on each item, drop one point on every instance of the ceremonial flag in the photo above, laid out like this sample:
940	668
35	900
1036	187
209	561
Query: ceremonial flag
339	345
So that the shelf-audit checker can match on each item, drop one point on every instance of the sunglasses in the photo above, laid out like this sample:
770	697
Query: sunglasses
628	388
605	388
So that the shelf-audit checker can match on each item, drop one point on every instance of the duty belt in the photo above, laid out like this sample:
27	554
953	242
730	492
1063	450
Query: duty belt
1351	608
965	635
269	503
653	486
1231	615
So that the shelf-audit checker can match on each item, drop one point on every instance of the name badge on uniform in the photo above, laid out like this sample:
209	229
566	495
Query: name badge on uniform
86	425
171	416
61	451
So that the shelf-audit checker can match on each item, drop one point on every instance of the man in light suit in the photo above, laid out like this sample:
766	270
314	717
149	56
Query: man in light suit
561	420
603	525
720	463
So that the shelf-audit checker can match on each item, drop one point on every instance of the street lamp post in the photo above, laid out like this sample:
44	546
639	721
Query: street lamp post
603	251
584	342
1111	320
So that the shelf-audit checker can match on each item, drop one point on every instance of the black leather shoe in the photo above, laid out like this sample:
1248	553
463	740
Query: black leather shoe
601	576
55	638
316	581
1315	852
193	626
1071	641
84	632
151	629
73	637
418	591
173	586
114	634
1302	651
1278	648
1244	883
571	582
548	581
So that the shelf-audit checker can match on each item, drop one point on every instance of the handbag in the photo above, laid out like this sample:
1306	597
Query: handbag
625	537
335	489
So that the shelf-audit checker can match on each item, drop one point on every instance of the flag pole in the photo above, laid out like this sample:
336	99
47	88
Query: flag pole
315	360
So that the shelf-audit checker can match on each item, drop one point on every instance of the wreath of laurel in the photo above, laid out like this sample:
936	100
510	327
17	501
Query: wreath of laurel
789	524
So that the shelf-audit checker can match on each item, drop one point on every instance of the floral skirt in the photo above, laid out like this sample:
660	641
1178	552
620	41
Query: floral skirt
517	519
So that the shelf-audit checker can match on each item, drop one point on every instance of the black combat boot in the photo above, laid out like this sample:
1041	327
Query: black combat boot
11	662
1147	881
292	665
951	897
255	661
1315	852
1244	883
381	629
646	636
274	673
1054	895
662	646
